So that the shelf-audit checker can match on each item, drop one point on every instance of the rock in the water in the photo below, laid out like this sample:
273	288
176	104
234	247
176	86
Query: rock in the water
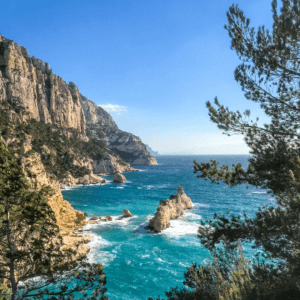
170	209
90	179
94	218
118	177
126	213
105	219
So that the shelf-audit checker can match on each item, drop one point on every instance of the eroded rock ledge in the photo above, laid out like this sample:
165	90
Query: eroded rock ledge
170	209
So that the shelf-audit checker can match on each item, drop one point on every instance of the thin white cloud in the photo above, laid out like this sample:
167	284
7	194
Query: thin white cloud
113	108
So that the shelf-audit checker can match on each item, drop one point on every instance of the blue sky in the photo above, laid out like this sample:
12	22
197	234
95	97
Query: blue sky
151	63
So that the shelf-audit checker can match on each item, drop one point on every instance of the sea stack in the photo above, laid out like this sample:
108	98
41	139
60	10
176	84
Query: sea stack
170	209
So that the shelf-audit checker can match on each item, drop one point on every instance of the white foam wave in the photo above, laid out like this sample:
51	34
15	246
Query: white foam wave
97	253
259	192
99	242
180	227
200	205
67	188
116	221
150	187
161	186
189	216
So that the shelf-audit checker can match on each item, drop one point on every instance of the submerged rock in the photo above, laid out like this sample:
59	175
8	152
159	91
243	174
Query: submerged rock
118	177
170	209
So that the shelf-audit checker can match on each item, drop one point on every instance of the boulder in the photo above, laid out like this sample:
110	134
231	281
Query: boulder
95	179
94	218
170	209
118	177
84	180
126	213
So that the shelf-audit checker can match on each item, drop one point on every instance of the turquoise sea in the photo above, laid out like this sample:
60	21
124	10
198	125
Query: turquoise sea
139	263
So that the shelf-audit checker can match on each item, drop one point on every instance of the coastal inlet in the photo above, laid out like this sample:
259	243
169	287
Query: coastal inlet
139	262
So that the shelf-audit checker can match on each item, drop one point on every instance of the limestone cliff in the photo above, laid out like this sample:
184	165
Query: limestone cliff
101	126
67	218
29	83
170	209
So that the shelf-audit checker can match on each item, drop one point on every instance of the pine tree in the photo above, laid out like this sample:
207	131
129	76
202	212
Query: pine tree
269	74
30	244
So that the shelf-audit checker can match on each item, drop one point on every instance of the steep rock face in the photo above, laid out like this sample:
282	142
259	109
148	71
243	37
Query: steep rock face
29	82
67	218
170	209
101	126
111	164
29	85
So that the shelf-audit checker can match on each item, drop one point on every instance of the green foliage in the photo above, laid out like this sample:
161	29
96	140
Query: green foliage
269	75
63	150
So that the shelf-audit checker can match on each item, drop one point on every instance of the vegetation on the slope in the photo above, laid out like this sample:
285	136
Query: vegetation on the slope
270	75
63	150
30	245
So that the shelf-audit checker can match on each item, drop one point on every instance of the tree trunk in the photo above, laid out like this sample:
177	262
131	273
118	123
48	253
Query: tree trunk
12	260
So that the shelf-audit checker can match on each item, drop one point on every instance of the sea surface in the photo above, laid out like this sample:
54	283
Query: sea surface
139	263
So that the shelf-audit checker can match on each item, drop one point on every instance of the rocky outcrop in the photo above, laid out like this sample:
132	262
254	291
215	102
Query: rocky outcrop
101	126
119	178
110	164
170	209
85	180
126	213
